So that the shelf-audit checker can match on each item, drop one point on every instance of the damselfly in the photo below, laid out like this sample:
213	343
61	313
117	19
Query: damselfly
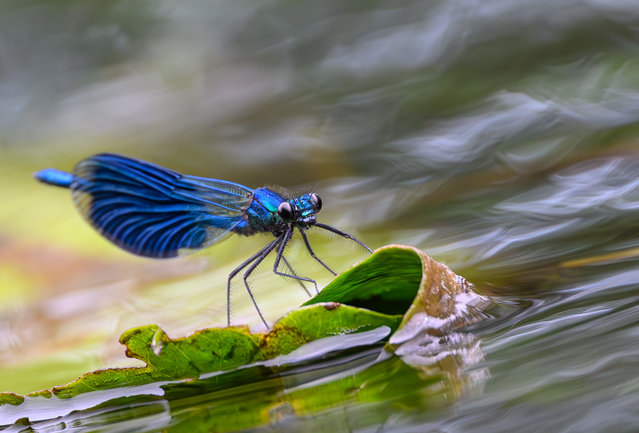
155	212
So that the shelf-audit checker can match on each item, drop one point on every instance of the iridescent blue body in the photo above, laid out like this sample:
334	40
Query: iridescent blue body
155	212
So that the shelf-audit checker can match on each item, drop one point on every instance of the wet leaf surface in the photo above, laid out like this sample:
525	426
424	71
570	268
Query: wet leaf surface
349	321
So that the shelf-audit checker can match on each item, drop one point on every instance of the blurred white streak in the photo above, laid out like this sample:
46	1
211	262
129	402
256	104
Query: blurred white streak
601	186
472	138
518	129
435	40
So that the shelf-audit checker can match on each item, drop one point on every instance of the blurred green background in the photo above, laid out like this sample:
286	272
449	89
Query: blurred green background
499	137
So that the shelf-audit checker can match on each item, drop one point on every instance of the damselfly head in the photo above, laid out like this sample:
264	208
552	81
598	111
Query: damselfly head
300	210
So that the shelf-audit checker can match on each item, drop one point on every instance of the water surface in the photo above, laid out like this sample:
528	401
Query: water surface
500	138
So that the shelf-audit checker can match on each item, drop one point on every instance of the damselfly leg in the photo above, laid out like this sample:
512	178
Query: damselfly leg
259	256
280	256
343	234
312	253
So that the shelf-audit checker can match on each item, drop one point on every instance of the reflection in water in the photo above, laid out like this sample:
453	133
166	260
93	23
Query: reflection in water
336	391
452	356
430	338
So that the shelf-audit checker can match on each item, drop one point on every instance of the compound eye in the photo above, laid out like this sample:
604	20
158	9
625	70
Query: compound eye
286	212
317	201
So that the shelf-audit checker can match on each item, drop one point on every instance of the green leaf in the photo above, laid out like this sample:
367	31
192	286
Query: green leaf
374	293
10	398
216	349
386	282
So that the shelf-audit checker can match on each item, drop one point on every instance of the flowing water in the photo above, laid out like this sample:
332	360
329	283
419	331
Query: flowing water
501	137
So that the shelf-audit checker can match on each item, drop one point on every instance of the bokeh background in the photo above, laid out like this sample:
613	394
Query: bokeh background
500	137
